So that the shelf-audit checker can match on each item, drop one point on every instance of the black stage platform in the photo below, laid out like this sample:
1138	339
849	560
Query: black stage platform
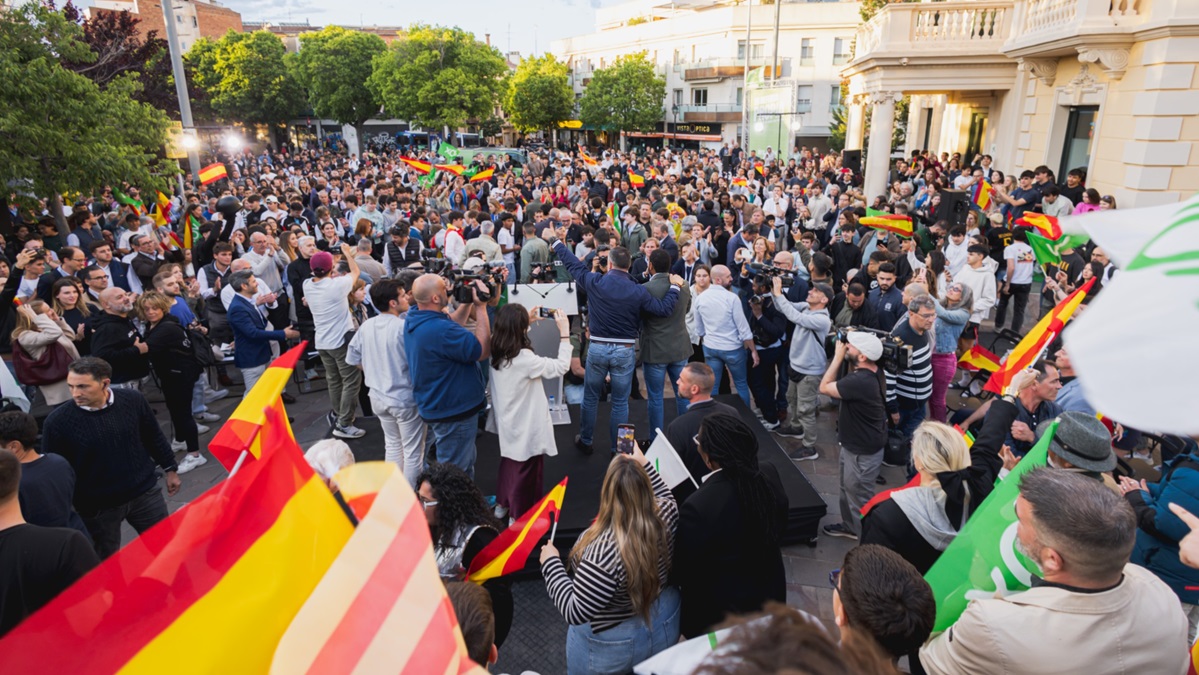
587	472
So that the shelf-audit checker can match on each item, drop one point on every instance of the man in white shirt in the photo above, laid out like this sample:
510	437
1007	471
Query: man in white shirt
1018	283
728	340
1054	203
327	298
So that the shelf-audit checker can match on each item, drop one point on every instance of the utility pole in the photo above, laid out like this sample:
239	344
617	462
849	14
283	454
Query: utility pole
185	105
774	64
745	79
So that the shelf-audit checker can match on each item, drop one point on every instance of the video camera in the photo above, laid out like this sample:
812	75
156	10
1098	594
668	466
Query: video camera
897	356
546	272
462	287
787	276
432	263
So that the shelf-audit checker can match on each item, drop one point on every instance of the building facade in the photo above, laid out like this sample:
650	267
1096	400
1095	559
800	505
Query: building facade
194	19
1106	85
289	32
701	49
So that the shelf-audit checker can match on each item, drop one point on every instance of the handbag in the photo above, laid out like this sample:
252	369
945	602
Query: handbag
49	368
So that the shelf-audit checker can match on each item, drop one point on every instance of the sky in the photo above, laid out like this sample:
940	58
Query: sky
526	26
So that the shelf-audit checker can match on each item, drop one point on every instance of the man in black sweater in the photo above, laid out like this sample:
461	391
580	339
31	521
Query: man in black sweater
113	442
116	340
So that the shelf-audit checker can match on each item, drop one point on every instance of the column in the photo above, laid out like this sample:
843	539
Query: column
878	152
855	123
916	114
934	142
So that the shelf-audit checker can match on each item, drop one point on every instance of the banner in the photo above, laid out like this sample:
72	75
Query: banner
982	561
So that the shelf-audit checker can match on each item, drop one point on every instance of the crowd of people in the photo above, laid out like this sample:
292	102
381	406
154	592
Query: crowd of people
708	271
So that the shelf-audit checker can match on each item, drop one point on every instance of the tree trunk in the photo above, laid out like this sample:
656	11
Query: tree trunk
60	218
623	142
358	131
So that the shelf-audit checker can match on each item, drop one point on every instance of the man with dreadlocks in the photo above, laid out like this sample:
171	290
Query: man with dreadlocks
727	557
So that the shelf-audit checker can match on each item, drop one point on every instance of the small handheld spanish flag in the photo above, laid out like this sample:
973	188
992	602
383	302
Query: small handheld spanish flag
979	358
420	167
1047	226
981	194
485	174
510	551
760	167
455	169
636	180
888	222
213	173
740	181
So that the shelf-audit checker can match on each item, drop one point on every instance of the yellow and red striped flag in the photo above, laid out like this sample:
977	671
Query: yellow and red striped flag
1193	666
587	159
636	180
1046	226
889	222
740	181
240	432
456	169
1029	349
213	173
191	229
760	167
229	571
979	358
382	606
162	210
980	194
510	551
420	167
485	174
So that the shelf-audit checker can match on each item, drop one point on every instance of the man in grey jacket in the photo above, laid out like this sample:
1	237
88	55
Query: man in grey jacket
808	362
662	352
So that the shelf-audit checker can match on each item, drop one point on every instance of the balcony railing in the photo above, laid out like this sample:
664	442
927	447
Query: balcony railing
709	69
710	108
953	28
1046	22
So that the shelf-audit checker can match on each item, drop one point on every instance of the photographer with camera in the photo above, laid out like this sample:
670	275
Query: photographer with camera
769	328
861	423
615	303
808	361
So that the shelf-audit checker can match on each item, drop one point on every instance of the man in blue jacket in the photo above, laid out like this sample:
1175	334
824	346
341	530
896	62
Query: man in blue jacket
443	360
252	339
615	303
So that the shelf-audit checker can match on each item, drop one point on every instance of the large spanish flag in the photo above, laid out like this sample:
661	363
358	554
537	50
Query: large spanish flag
1029	349
485	174
888	222
382	607
456	169
1047	226
212	173
211	589
421	167
979	358
240	432
510	551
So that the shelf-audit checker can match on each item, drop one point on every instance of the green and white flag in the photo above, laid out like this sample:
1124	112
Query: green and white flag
428	180
982	562
448	151
667	462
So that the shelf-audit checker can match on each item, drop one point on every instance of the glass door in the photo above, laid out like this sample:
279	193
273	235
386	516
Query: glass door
1080	134
978	131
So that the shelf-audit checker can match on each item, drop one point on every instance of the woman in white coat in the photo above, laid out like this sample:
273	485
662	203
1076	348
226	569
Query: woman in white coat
518	402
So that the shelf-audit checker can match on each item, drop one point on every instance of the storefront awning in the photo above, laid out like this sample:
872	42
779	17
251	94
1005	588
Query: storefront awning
713	138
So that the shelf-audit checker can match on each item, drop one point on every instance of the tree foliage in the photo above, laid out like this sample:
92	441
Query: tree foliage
333	66
246	77
59	130
115	39
869	8
626	96
435	76
491	127
539	94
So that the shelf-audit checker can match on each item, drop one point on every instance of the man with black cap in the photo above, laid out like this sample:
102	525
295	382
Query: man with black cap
861	424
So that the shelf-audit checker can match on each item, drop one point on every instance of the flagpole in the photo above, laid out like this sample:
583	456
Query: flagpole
236	467
554	531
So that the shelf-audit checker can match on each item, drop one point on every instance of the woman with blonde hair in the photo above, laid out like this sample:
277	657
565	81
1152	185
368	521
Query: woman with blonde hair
612	589
38	328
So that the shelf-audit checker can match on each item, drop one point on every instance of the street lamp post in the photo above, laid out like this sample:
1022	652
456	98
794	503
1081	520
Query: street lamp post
185	108
674	119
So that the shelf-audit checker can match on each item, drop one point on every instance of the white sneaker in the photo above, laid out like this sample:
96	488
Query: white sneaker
501	512
201	429
191	462
207	417
215	395
178	446
348	432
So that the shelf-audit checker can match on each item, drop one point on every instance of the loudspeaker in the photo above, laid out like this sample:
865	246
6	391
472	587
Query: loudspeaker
852	160
955	204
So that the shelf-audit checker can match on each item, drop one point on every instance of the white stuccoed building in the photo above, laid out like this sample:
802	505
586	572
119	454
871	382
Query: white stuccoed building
700	48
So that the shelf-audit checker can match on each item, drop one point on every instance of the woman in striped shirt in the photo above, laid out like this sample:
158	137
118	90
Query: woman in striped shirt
615	596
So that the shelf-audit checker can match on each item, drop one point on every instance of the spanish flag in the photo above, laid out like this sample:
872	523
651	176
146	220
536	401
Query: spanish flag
636	180
979	358
228	571
485	174
740	182
456	169
162	210
382	606
241	432
651	173
614	216
981	194
420	167
888	222
1029	349
510	551
587	159
760	167
191	230
136	205
212	173
1047	226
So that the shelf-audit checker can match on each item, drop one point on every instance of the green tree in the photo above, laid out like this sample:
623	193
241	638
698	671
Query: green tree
438	77
59	131
626	96
871	7
836	130
246	78
491	127
539	94
333	66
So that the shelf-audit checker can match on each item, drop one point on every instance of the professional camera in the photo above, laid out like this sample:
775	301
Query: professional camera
897	356
544	272
601	256
787	276
462	287
432	263
38	253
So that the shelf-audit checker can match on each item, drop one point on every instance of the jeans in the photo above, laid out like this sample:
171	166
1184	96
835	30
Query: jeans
142	512
762	381
573	393
736	361
655	374
403	437
1019	297
858	473
198	389
944	366
618	649
803	399
344	381
456	442
908	421
615	361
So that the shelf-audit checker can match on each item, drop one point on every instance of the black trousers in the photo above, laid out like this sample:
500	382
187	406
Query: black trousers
763	378
177	392
1018	298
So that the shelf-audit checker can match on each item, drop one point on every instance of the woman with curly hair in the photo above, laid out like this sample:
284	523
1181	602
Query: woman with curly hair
462	524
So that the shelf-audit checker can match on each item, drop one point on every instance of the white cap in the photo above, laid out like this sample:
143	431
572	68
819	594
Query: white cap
867	343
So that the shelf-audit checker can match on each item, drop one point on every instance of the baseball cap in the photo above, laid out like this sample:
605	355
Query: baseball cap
867	343
322	260
825	289
272	199
472	263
